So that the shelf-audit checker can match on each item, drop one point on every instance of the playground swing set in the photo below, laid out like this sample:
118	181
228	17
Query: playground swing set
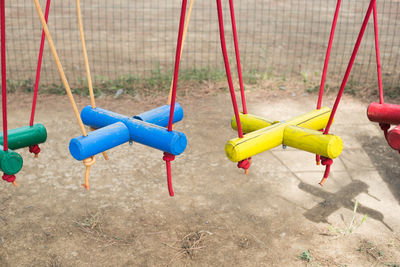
154	128
27	136
310	131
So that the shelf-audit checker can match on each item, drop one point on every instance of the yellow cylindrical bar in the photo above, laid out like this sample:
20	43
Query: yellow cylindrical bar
250	123
313	141
272	136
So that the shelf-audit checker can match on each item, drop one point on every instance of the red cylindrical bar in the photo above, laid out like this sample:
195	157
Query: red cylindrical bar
384	113
393	138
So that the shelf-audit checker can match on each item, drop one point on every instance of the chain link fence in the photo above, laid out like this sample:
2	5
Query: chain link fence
138	38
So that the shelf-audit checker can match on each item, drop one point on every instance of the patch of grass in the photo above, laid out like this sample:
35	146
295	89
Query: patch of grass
157	81
20	85
188	245
306	256
92	226
352	225
371	249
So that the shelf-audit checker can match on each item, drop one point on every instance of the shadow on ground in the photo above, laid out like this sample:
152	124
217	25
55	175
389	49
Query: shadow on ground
385	160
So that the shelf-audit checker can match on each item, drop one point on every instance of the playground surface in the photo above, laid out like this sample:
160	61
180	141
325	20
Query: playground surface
277	215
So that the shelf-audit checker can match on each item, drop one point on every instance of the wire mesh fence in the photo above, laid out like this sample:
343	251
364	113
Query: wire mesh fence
138	38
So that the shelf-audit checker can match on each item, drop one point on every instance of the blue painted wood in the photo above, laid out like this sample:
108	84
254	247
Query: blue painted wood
98	141
160	115
139	131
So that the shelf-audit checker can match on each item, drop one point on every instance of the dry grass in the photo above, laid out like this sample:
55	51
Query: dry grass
92	226
188	245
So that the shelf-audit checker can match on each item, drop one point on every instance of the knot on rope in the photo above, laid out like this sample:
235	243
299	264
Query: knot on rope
385	128
89	162
168	157
326	162
9	178
244	164
35	149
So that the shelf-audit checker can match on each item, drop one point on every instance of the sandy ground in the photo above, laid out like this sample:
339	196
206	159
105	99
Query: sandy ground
219	216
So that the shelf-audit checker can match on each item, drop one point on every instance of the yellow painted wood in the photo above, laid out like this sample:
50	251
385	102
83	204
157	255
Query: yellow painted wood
272	136
313	141
251	123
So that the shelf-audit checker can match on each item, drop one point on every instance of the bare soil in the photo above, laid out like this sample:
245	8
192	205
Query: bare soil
219	216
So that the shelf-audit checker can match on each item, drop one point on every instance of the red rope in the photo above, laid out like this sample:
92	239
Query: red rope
39	66
378	57
177	62
227	68
239	66
350	65
169	157
328	53
3	73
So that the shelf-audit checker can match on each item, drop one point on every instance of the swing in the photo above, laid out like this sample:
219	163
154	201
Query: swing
308	132
383	113
28	136
110	129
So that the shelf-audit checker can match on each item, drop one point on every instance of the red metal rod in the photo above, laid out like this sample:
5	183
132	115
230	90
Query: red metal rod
239	66
39	66
350	65
3	73
378	57
227	68
328	53
177	62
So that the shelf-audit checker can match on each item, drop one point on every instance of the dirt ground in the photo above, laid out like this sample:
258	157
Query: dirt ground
276	216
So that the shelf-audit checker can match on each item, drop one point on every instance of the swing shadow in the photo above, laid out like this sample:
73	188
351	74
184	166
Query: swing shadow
332	202
385	160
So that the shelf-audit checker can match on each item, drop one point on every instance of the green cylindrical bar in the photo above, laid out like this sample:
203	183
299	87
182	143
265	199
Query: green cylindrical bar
10	161
25	136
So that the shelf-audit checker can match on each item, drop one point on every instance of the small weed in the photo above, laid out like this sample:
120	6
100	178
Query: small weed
20	85
305	76
92	226
306	256
251	77
371	249
352	226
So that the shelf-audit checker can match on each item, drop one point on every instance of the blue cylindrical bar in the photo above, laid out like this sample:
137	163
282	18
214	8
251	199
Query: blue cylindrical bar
98	141
142	132
160	116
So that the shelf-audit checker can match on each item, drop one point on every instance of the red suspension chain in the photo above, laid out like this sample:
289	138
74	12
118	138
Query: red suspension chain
378	57
239	66
227	68
39	66
350	65
169	157
3	73
327	56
